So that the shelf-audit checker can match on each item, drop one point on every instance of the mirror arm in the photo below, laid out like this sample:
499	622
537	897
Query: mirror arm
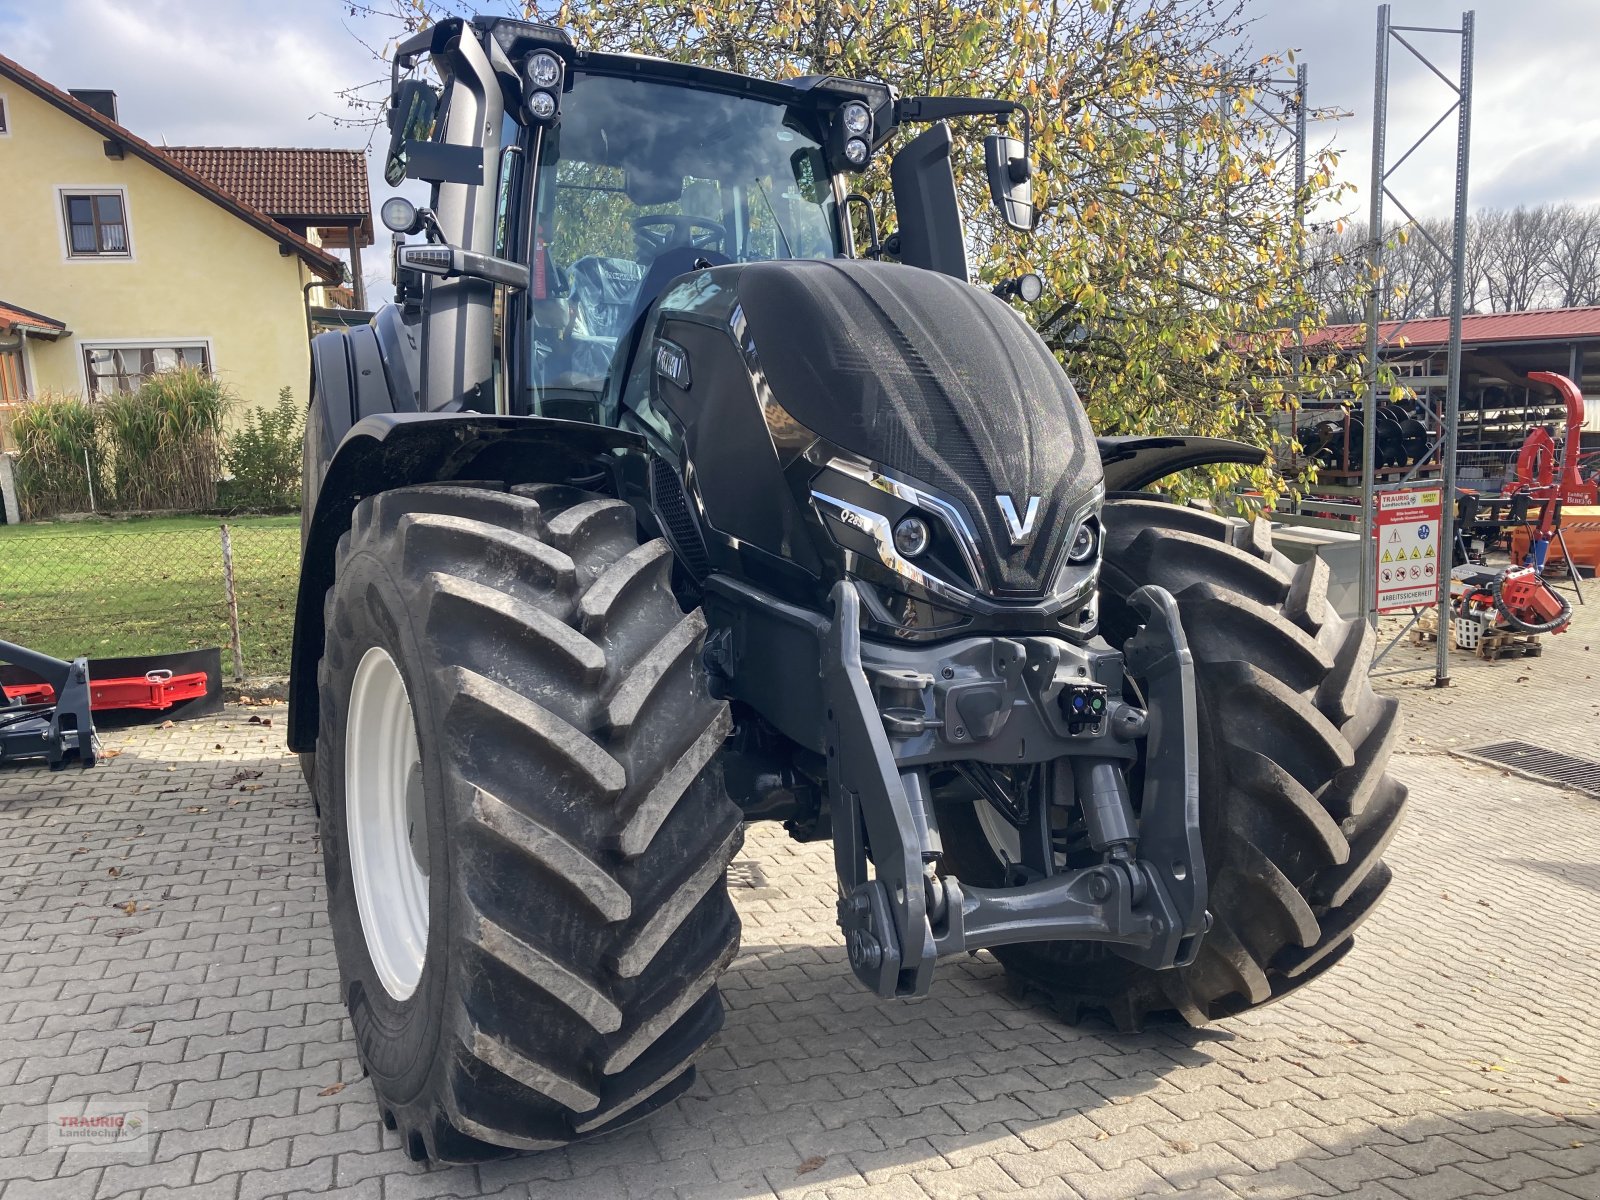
939	108
428	226
407	52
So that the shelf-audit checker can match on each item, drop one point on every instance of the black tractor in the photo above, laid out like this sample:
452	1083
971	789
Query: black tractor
652	507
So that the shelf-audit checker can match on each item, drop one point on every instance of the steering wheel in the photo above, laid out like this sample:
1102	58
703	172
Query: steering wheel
665	231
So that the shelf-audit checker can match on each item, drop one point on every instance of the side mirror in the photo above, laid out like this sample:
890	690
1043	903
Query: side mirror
411	110
452	261
1005	160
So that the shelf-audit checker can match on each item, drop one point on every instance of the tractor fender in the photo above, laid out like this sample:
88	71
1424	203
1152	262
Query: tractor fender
1132	464
355	373
395	449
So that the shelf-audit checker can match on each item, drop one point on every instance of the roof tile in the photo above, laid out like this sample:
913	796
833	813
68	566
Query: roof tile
13	315
286	183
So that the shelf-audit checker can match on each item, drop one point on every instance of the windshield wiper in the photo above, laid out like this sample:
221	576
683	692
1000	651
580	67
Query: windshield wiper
771	212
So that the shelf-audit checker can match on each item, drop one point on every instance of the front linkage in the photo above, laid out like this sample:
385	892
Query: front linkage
59	730
894	711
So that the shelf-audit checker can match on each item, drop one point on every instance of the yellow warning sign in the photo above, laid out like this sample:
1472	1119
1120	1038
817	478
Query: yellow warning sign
1406	531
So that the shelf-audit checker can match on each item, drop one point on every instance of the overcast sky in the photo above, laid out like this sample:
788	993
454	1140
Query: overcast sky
233	72
1535	114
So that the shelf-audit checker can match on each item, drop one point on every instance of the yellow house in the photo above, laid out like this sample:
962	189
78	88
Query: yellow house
119	260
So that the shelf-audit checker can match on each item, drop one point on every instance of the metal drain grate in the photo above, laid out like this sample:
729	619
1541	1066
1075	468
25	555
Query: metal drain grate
1578	773
746	873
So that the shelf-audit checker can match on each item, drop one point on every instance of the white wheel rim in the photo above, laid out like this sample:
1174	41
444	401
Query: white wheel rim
385	824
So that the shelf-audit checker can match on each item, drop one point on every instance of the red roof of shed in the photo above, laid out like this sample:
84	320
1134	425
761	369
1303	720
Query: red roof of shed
1477	329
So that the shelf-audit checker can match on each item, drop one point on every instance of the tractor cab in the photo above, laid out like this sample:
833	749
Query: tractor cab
643	181
589	182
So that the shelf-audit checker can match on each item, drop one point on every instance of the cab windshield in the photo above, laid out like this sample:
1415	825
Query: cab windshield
642	181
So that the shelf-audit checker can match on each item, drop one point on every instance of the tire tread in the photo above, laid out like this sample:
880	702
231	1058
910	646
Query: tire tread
1303	805
593	835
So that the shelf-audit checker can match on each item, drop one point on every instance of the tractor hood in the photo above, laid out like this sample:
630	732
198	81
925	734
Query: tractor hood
939	381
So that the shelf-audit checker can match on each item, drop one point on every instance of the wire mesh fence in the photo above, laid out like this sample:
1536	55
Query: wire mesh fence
151	587
1485	470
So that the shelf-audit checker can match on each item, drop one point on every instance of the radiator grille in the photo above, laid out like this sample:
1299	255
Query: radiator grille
672	506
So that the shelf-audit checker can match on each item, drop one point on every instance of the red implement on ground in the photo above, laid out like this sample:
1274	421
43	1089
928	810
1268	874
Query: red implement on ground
155	690
1517	599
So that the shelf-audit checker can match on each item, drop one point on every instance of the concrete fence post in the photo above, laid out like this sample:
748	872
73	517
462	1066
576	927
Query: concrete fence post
8	491
233	605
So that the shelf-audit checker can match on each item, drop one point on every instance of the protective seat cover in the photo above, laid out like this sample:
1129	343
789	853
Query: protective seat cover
604	290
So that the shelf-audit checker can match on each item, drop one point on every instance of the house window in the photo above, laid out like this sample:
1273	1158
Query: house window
97	224
123	368
4	128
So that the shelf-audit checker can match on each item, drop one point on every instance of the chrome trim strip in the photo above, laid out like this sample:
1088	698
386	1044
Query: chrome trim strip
876	526
966	538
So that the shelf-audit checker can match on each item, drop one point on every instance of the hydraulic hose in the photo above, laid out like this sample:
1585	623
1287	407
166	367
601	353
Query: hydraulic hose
1521	626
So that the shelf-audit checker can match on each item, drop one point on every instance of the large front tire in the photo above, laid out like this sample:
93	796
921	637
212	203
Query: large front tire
569	829
1296	804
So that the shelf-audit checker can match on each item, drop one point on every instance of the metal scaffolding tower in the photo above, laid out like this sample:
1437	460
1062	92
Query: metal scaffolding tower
1455	255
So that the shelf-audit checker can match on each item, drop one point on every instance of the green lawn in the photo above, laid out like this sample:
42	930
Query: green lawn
144	586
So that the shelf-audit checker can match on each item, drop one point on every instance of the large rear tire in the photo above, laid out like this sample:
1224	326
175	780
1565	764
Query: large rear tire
527	887
1296	805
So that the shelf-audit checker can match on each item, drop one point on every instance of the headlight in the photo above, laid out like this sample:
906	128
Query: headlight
542	105
911	536
1084	543
921	537
857	120
399	215
544	70
855	151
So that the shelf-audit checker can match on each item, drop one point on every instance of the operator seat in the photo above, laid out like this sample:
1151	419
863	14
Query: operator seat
603	290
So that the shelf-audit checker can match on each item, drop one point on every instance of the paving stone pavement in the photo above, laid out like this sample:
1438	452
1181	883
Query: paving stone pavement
164	947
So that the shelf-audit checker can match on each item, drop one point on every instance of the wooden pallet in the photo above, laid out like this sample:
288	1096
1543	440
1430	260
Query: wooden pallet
1502	643
1494	645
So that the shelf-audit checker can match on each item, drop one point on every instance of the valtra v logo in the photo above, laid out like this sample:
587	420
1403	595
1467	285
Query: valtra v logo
1021	530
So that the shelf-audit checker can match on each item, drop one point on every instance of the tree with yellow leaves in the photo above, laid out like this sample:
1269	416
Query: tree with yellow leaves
1168	234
